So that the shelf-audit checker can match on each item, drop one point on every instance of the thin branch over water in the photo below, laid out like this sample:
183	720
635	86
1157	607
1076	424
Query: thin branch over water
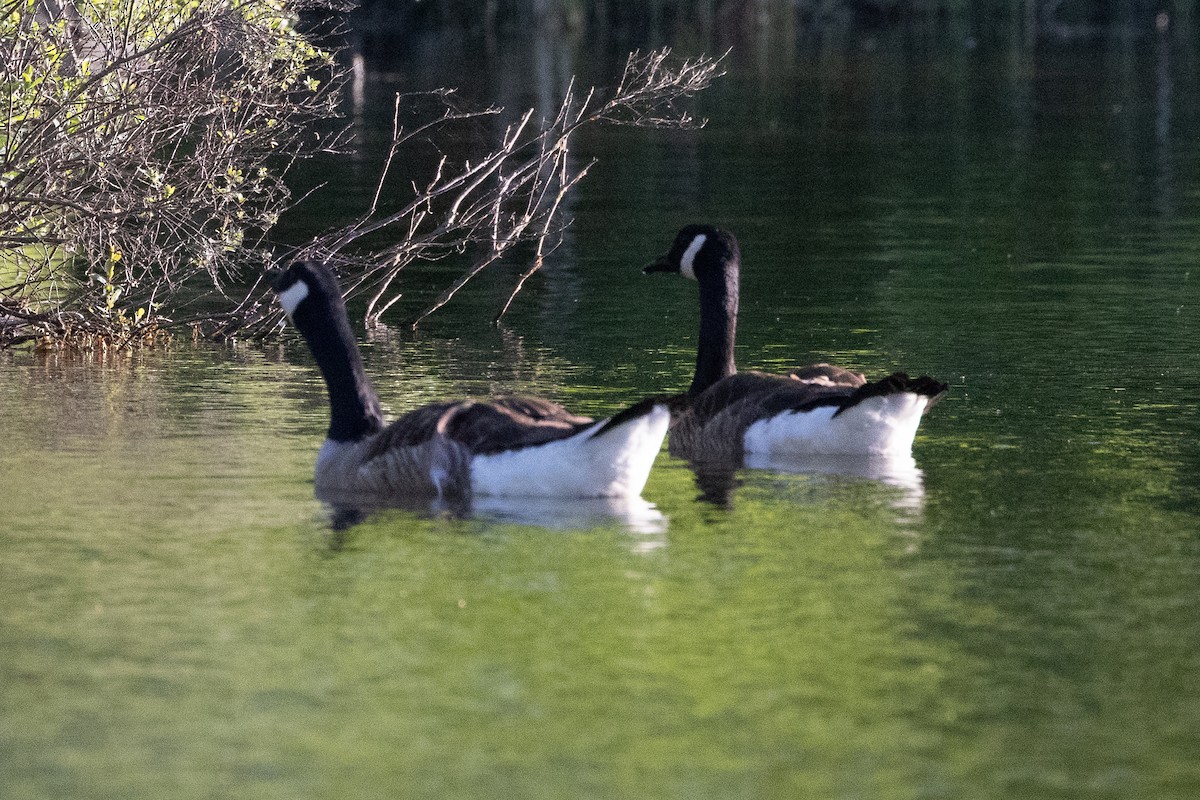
486	207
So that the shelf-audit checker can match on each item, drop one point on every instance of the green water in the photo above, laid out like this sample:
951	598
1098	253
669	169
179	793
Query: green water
1015	615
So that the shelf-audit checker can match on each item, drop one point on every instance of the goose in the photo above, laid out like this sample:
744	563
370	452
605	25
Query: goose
821	409
504	446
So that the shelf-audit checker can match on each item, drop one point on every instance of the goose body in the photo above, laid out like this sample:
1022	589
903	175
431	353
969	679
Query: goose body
820	409
504	446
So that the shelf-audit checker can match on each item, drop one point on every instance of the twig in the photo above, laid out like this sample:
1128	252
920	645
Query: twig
513	194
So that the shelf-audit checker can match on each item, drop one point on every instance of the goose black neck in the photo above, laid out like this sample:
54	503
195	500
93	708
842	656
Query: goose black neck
353	405
718	328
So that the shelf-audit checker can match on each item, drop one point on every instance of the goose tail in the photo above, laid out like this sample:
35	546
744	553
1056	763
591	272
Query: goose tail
897	383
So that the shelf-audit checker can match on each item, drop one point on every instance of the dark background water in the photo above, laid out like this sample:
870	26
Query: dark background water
1016	616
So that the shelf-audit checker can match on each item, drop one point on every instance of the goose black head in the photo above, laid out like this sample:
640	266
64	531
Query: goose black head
699	251
303	280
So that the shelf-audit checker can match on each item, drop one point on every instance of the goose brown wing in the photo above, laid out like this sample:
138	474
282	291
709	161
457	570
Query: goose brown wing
491	426
513	423
752	395
847	396
712	426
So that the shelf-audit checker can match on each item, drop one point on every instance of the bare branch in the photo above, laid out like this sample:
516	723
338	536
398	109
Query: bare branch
511	195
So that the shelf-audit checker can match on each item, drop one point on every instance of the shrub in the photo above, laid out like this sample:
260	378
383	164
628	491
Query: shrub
142	149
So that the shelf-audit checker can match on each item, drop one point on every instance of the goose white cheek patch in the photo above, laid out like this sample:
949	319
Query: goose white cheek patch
686	268
292	296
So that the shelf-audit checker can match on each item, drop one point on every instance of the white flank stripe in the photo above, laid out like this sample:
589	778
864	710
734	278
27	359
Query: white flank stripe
292	296
615	464
686	265
874	426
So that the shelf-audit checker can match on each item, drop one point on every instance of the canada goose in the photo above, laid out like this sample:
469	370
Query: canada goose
512	446
819	409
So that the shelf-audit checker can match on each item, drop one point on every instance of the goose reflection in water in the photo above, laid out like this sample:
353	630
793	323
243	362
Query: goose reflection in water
632	514
718	480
